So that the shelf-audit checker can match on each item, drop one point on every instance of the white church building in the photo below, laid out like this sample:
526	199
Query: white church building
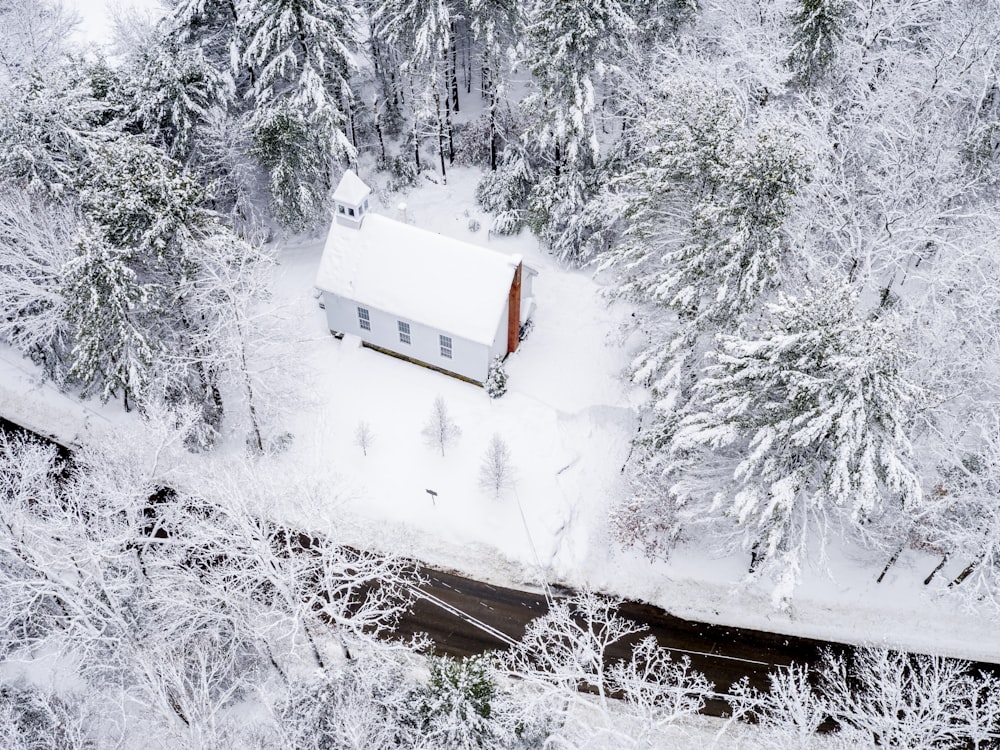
426	298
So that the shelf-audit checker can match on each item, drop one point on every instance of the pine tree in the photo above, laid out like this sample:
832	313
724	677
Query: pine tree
299	52
461	707
496	26
172	89
47	131
568	44
813	412
111	353
496	379
817	27
732	253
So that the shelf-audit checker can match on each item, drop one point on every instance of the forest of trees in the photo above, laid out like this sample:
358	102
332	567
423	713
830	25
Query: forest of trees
800	198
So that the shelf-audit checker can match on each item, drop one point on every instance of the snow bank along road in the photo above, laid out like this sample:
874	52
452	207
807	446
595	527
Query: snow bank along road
465	617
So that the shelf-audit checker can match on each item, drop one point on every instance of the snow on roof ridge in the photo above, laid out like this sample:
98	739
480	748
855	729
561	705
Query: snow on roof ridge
351	189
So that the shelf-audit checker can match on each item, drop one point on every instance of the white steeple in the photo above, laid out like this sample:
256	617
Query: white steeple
350	200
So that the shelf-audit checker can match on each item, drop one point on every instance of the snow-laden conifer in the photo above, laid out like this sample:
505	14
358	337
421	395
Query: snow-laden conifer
813	412
300	53
816	28
496	379
112	353
569	43
172	90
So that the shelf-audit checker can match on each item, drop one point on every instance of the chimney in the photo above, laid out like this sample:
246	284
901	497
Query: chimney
514	311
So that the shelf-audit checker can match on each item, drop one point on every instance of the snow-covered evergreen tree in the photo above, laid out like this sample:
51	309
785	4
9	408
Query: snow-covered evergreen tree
47	131
107	308
505	190
813	412
463	707
817	27
425	32
732	250
496	27
300	55
172	89
568	44
496	379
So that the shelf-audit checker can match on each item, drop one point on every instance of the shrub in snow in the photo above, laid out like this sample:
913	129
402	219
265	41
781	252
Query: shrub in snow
403	173
462	707
474	225
496	380
525	329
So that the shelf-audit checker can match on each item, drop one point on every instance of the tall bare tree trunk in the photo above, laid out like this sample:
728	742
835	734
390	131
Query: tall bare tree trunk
441	135
378	128
453	71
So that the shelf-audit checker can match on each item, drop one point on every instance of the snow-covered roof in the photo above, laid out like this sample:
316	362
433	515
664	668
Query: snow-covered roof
351	190
423	277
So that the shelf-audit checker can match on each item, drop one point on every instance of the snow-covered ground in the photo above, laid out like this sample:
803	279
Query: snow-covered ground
568	418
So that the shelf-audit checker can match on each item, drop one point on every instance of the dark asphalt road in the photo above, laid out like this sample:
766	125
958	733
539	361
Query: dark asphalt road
724	654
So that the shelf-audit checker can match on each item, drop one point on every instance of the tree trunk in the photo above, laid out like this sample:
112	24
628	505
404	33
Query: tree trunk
440	128
493	137
889	564
251	401
755	557
467	63
967	572
453	73
350	123
934	572
378	128
451	131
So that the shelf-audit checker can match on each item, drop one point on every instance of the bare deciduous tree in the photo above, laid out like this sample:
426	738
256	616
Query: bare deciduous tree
363	437
440	429
496	473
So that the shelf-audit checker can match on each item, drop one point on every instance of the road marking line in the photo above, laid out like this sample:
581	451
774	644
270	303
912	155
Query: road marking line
723	656
489	629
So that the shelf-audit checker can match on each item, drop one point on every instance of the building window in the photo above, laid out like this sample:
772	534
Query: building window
404	332
364	319
350	212
340	209
445	346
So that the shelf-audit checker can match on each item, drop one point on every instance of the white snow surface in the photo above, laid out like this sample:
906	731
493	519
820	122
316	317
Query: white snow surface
568	418
418	275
